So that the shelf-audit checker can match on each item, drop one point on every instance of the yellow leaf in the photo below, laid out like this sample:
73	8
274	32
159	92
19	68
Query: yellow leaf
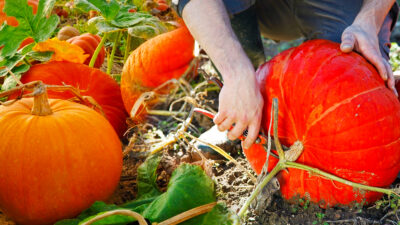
63	51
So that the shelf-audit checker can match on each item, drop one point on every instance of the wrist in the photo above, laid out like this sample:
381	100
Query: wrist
372	14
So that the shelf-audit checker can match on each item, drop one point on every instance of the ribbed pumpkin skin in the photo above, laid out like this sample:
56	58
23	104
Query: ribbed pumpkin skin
92	82
89	42
13	22
337	105
156	61
53	167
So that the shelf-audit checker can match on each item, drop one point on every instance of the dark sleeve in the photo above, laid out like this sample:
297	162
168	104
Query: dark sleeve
179	5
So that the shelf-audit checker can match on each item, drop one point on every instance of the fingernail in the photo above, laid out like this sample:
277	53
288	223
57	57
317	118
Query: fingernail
346	46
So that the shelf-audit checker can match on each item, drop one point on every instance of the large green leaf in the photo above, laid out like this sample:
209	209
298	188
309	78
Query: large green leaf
40	26
189	187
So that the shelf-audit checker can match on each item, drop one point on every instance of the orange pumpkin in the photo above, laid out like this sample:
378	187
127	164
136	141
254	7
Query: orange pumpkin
89	42
56	159
339	108
13	22
92	82
156	61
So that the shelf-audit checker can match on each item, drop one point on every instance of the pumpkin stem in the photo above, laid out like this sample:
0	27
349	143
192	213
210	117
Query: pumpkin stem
41	106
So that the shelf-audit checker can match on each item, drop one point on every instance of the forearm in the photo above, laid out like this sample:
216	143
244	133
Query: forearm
373	12
209	23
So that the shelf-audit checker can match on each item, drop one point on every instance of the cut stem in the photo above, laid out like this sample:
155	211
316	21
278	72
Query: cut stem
97	51
41	106
114	49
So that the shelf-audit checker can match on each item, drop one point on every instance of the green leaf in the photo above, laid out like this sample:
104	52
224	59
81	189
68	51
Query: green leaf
11	62
38	26
10	83
148	28
188	188
41	56
147	178
109	9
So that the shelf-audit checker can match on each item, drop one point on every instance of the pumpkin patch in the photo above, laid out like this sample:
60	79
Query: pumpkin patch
108	118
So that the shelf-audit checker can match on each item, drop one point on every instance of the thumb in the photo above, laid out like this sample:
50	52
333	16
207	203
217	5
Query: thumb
348	41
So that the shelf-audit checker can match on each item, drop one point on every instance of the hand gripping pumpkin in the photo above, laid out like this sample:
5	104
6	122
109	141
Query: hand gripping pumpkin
337	105
89	42
56	159
92	82
162	58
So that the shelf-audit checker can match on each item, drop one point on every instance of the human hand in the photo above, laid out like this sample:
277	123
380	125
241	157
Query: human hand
363	38
240	104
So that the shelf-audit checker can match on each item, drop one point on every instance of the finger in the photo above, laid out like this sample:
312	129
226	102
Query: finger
348	41
226	124
237	131
374	57
221	116
391	81
252	135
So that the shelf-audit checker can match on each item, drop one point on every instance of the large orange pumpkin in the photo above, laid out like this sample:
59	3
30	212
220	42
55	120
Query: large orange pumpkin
92	82
13	22
337	105
89	42
156	61
54	164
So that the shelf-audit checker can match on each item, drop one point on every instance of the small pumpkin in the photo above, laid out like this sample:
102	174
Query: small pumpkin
339	108
89	42
92	82
162	58
56	159
67	32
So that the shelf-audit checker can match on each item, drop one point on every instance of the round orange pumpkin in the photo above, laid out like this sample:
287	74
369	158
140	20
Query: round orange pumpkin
156	61
337	105
91	82
56	159
89	42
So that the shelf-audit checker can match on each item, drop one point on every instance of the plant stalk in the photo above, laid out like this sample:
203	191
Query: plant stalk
114	49
97	51
259	187
128	47
335	178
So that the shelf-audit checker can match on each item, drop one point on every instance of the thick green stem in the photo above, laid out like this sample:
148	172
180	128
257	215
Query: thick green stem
335	178
259	188
114	49
97	51
128	47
